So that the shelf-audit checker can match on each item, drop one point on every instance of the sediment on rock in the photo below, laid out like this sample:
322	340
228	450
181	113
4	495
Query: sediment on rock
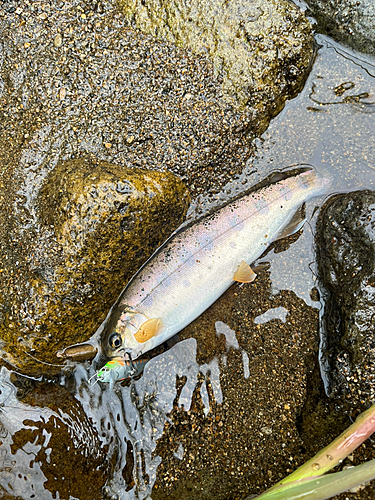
261	50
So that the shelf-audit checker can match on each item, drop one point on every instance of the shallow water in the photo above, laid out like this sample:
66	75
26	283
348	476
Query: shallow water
129	418
330	125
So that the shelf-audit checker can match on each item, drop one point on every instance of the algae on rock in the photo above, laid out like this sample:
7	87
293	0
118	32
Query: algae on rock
262	49
98	223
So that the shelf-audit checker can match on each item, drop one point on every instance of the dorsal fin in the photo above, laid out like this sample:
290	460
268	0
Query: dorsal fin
281	175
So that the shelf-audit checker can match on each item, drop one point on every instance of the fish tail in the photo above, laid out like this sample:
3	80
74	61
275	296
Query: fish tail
325	178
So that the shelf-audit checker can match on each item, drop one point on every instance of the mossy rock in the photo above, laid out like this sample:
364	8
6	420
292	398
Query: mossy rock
261	49
98	223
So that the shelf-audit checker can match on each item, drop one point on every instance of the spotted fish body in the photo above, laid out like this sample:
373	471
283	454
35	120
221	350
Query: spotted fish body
192	269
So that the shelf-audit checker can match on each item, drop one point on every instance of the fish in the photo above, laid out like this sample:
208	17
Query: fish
198	262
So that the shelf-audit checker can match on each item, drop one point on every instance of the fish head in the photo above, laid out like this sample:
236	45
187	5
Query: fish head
121	329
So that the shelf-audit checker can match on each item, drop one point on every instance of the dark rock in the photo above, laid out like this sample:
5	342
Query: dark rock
97	223
349	21
346	259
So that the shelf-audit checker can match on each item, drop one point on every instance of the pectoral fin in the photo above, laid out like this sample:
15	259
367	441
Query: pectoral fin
294	225
244	273
147	330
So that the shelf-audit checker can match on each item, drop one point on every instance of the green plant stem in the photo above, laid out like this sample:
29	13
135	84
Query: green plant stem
324	487
340	448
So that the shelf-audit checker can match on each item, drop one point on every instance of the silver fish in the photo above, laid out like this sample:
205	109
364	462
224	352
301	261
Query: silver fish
198	263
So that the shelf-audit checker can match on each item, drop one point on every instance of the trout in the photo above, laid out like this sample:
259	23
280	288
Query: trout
194	267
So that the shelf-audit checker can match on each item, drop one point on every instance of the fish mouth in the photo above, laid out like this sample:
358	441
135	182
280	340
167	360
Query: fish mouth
118	353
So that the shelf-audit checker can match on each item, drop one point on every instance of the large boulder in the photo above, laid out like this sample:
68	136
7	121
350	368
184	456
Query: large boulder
349	21
346	259
97	223
260	49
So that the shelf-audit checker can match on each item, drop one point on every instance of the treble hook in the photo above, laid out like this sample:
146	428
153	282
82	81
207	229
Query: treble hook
128	359
97	379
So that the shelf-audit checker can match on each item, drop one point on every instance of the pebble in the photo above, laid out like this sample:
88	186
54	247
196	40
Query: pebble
58	40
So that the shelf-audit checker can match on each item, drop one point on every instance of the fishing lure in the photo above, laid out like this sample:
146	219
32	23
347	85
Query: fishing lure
118	369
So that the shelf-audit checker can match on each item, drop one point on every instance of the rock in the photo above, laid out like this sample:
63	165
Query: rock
349	21
346	259
260	49
97	223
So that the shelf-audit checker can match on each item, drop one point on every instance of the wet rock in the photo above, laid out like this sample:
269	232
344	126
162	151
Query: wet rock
349	21
114	93
260	49
346	258
97	223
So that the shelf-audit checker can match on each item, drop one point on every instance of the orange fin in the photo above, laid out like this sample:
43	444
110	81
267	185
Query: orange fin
244	273
147	330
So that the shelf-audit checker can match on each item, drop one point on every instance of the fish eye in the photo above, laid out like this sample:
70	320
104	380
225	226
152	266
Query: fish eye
115	340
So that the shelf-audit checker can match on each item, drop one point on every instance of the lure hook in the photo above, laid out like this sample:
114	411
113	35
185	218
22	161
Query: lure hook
96	379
